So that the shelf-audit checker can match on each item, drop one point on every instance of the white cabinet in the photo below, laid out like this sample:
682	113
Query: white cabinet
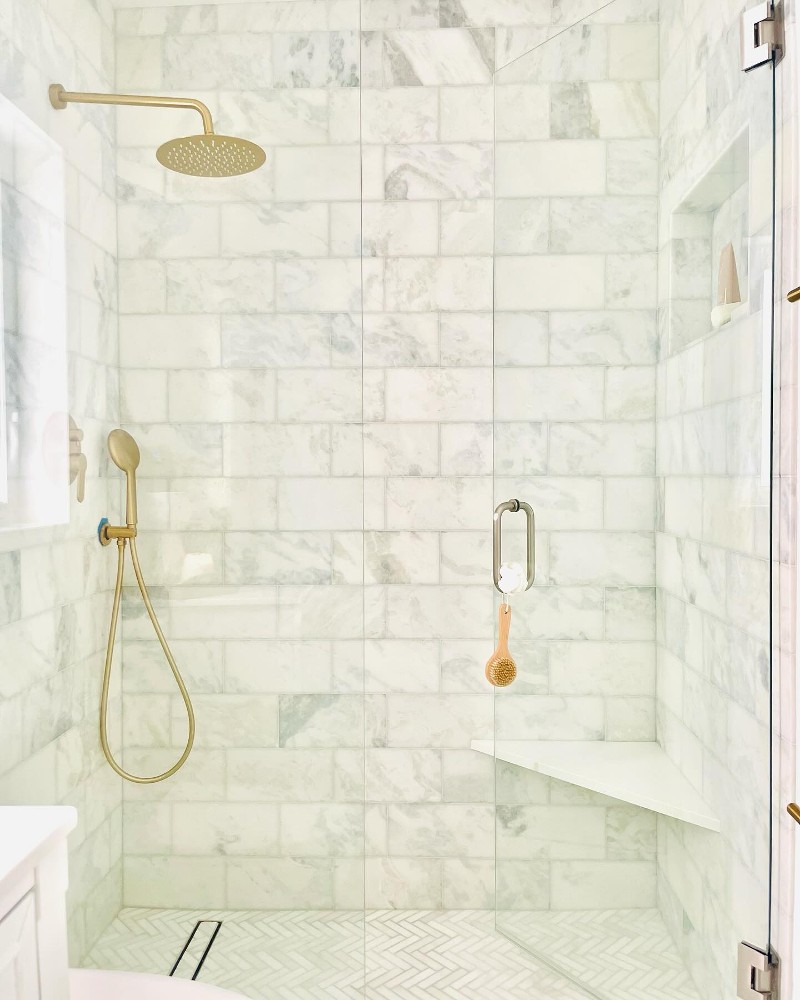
33	884
19	960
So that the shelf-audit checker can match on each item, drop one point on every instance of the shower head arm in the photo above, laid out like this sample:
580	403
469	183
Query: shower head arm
60	98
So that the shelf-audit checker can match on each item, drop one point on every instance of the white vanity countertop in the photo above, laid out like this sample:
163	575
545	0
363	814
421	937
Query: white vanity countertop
27	833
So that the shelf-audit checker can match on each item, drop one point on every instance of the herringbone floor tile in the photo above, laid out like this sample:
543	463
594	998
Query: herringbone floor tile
625	954
409	954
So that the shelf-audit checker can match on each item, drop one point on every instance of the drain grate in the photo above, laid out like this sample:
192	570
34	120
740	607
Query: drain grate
194	953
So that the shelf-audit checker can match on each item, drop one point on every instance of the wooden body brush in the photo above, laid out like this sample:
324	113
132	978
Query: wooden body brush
501	670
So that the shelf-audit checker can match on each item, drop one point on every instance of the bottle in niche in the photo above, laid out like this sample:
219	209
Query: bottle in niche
728	294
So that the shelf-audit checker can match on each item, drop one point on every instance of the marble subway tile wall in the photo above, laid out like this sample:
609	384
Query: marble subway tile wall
289	461
575	349
55	581
241	349
427	217
712	553
564	848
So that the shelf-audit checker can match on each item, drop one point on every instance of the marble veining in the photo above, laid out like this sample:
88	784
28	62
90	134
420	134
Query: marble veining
316	59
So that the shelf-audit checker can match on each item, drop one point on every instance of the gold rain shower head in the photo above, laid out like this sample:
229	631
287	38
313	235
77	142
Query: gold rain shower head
206	155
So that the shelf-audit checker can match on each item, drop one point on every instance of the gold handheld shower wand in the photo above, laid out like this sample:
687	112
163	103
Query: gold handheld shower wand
206	155
125	454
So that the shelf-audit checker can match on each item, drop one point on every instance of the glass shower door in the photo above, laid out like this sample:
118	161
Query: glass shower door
632	349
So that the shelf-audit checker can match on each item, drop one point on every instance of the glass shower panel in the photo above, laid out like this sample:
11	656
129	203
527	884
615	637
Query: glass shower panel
632	351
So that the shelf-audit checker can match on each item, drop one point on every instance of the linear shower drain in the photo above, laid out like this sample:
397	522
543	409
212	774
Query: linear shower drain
194	953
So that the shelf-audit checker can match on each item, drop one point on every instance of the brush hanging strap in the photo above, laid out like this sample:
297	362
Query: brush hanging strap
503	627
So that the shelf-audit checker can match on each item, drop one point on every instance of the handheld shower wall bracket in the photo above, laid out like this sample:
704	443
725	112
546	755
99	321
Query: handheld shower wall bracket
107	533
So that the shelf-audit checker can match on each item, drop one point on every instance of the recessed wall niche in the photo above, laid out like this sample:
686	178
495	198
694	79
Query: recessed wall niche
712	215
34	474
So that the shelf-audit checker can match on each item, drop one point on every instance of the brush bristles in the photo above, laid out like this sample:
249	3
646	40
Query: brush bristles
501	672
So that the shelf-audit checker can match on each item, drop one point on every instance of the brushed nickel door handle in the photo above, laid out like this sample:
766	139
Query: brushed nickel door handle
794	295
794	811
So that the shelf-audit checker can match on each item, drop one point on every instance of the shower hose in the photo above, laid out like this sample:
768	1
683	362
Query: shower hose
107	670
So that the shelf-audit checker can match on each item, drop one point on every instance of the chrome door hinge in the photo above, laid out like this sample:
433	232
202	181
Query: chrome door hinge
762	35
757	977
